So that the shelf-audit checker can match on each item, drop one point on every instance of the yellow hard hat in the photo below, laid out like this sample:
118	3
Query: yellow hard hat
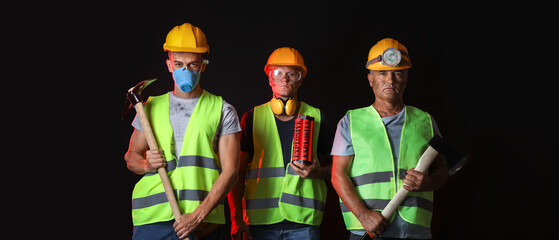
286	56
388	54
186	38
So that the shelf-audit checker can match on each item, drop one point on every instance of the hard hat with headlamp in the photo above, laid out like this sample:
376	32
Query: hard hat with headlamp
388	54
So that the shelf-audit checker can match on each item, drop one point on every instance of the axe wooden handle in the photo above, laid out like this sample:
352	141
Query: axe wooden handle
424	162
146	126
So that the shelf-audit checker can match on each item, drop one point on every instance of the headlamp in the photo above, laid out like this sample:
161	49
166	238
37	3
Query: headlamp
390	57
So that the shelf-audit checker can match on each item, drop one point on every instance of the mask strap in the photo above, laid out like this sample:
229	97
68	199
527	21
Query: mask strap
204	65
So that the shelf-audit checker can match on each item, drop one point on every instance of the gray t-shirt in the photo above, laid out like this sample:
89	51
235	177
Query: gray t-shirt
343	146
180	110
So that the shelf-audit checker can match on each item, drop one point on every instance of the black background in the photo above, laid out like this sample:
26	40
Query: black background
473	70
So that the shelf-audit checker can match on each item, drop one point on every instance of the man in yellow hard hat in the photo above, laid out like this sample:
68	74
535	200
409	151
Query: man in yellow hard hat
198	136
281	198
376	149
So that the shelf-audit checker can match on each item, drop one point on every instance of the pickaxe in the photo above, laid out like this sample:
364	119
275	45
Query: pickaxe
134	98
454	159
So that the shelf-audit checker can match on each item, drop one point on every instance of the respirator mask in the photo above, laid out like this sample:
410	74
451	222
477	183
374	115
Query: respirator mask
187	79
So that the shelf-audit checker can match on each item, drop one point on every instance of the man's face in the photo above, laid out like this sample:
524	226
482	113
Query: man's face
388	85
192	61
284	80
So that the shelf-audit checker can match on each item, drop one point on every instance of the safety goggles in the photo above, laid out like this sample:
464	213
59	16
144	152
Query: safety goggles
291	75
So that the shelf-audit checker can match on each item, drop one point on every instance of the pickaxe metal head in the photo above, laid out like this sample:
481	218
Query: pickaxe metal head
134	96
454	159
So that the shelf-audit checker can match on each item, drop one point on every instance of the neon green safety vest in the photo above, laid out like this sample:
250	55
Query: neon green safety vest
274	192
193	174
372	171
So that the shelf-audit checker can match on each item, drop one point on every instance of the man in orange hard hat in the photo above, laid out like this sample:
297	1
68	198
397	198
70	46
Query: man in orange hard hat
376	149
280	198
198	136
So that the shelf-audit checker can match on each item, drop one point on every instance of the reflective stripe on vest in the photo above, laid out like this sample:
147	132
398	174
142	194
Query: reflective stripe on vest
185	161
372	171
274	192
195	171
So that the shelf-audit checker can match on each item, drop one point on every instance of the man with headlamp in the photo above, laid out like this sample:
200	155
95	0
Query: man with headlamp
198	136
376	149
277	197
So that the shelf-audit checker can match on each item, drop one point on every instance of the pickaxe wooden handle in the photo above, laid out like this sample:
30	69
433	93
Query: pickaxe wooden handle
162	172
133	97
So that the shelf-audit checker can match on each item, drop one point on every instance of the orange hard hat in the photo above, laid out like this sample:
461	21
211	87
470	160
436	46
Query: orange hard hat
388	54
288	57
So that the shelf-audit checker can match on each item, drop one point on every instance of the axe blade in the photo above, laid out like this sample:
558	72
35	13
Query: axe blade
134	96
454	159
458	165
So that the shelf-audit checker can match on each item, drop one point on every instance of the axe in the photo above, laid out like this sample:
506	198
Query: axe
454	159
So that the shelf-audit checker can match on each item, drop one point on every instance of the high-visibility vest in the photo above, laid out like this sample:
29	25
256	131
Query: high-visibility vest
373	172
193	174
274	192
